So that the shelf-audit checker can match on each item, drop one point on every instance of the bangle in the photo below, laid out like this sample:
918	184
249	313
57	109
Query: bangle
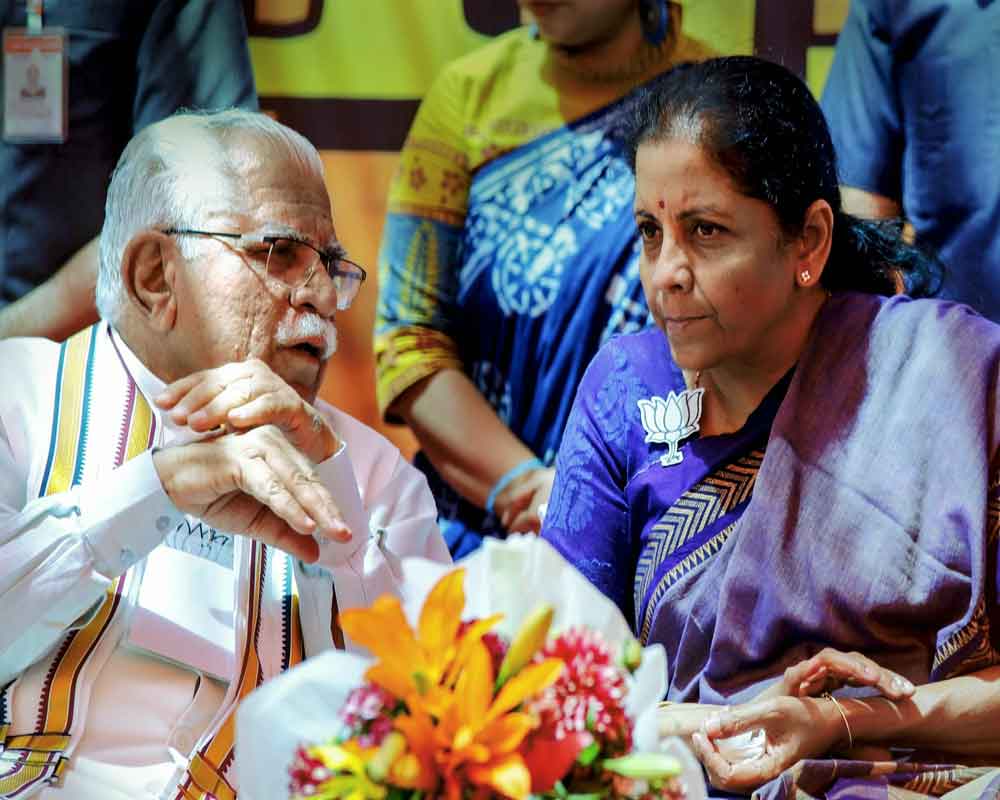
843	716
509	477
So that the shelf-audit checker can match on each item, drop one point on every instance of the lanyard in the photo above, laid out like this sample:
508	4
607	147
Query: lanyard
35	11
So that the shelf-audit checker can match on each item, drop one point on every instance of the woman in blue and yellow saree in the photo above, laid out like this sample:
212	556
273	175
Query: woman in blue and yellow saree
509	253
792	482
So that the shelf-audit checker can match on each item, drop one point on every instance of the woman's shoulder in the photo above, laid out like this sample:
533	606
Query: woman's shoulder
946	328
901	349
500	55
642	359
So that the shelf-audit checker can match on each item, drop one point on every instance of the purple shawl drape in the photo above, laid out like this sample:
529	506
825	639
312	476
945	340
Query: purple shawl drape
874	522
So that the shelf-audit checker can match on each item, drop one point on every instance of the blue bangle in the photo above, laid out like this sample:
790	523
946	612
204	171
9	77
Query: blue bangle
509	477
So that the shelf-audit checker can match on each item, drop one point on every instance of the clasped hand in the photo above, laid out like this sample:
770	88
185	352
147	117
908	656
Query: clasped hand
796	722
257	477
518	506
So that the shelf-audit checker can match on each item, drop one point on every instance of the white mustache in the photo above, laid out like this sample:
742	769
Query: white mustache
308	326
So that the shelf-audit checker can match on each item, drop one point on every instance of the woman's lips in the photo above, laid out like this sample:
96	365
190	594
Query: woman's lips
681	325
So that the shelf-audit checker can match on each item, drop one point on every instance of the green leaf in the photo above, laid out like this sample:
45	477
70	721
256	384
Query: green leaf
565	796
644	766
588	754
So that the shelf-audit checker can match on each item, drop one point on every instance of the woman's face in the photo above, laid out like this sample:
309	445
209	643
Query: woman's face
717	276
580	23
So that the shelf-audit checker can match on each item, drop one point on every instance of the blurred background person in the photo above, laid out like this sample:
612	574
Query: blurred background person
129	64
509	253
915	116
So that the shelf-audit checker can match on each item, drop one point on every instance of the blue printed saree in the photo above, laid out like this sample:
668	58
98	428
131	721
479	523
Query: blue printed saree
549	271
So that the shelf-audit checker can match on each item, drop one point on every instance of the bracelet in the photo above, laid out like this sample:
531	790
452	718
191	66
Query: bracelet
843	716
509	477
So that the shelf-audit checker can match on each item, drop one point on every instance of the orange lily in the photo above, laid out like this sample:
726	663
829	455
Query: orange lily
455	729
479	735
415	665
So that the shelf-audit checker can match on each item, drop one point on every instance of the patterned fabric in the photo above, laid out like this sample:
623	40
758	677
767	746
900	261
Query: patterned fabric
31	760
509	251
689	508
864	530
265	580
690	531
835	779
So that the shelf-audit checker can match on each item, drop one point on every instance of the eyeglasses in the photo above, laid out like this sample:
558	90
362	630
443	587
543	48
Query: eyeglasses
292	262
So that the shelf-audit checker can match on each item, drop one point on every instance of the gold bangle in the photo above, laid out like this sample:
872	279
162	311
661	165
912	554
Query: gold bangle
843	716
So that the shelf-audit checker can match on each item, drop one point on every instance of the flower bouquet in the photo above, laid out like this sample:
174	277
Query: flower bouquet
533	701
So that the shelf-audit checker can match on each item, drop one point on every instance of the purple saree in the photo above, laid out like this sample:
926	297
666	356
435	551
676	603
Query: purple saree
871	525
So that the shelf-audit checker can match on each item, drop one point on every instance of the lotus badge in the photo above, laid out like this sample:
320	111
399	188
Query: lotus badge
669	420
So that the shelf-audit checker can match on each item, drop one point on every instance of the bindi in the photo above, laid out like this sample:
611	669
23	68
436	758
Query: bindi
661	204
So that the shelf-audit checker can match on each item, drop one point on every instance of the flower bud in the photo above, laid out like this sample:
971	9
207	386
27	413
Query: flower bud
528	641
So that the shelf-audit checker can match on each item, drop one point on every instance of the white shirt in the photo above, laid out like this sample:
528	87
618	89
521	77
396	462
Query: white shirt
59	554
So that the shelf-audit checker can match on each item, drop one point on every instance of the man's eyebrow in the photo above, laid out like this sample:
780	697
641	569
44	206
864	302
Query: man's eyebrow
332	247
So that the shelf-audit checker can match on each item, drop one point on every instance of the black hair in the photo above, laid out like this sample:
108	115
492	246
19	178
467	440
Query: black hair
761	124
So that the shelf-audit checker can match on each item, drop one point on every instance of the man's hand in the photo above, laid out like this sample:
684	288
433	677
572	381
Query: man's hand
245	395
517	505
254	483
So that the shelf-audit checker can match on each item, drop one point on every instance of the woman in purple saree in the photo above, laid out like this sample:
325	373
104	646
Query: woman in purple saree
796	490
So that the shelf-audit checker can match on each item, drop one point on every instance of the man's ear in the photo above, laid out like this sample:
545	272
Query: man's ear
149	270
814	243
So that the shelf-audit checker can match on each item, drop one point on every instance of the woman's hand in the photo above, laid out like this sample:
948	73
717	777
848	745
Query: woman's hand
831	669
794	728
683	719
518	504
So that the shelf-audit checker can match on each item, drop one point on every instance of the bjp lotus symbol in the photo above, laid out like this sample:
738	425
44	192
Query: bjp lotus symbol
669	420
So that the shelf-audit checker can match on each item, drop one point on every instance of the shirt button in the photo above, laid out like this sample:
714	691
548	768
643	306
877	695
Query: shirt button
183	740
162	523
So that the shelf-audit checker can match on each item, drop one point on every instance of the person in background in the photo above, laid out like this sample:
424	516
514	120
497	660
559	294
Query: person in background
915	116
509	254
129	64
792	481
154	467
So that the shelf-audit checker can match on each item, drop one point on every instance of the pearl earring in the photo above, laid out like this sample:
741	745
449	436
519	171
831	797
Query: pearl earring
805	275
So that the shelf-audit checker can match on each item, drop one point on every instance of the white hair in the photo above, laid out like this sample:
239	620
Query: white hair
170	171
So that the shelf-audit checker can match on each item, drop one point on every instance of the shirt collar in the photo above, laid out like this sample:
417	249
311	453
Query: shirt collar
150	386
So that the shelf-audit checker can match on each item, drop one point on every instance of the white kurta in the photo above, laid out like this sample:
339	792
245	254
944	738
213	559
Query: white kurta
59	554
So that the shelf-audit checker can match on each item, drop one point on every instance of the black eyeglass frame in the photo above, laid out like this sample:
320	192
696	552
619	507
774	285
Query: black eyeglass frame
329	260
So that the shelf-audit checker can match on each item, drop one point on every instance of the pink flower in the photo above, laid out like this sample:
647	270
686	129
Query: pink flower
588	696
307	774
367	714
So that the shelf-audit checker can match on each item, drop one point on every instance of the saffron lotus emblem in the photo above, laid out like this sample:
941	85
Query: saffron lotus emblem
668	420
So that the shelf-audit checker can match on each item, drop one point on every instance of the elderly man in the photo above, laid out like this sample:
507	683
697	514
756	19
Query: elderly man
168	478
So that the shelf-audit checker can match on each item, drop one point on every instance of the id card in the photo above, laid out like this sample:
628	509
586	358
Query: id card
35	84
